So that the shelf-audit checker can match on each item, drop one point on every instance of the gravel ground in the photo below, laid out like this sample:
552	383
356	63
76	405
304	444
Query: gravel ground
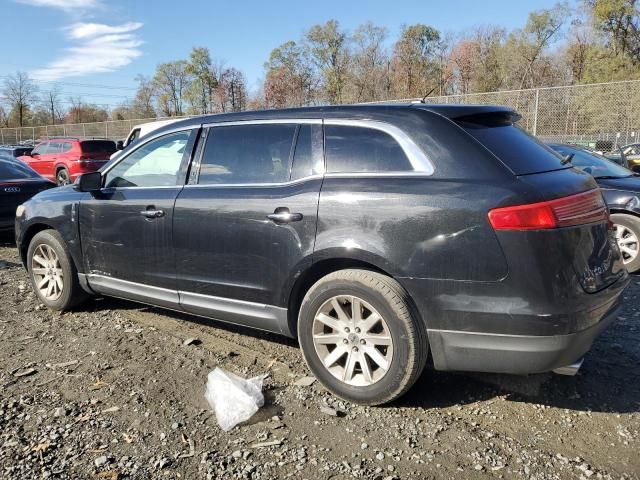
115	390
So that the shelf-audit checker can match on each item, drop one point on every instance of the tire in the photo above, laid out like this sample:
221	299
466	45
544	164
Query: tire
53	260
358	374
62	177
627	231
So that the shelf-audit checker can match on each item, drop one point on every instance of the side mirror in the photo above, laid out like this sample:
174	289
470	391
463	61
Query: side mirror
119	145
89	182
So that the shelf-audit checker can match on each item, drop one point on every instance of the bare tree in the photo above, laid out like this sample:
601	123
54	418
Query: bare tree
51	102
20	93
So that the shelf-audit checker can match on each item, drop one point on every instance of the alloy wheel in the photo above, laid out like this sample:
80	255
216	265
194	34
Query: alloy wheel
352	340
627	241
63	177
47	272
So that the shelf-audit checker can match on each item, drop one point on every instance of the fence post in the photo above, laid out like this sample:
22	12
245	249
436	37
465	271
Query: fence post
84	130
535	113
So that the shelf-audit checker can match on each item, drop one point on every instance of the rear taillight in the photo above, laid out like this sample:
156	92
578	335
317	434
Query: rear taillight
580	209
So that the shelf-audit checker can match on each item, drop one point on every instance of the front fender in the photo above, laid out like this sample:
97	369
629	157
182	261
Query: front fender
46	211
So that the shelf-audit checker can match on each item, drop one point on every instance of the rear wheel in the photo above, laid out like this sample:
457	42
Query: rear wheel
62	177
53	275
360	338
627	232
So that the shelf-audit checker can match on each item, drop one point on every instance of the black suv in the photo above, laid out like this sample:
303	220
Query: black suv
373	234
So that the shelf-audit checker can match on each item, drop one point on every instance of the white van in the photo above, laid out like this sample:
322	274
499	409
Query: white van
141	130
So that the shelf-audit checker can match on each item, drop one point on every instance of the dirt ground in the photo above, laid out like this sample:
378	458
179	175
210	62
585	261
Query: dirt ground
114	390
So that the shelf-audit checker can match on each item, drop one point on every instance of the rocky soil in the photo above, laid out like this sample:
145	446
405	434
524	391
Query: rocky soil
116	390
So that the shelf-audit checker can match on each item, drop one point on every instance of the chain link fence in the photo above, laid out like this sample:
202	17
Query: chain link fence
112	129
605	113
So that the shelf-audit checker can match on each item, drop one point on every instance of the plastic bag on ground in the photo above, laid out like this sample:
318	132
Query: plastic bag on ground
233	398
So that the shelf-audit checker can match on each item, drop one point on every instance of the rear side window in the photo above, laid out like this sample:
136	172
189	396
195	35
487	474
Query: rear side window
519	151
357	149
98	146
66	146
15	171
247	154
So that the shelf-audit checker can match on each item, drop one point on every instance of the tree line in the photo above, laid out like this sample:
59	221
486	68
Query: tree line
593	41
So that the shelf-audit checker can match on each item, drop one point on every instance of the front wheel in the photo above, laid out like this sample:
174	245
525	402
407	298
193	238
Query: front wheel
627	231
53	275
360	337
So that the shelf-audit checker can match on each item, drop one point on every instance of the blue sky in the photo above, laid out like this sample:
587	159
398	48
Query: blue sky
80	44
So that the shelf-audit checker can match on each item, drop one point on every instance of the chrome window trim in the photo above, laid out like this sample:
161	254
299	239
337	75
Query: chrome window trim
269	121
416	156
244	185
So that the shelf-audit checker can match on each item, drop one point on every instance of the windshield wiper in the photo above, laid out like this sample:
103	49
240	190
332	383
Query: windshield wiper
609	177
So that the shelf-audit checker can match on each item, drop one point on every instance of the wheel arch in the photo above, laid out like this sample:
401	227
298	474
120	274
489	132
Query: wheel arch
28	235
623	211
321	268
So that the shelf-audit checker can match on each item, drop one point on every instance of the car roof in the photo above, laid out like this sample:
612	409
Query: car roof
360	111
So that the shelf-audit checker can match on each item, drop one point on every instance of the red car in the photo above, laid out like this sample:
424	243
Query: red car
63	159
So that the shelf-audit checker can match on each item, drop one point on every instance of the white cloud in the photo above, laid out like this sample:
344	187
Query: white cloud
100	48
63	4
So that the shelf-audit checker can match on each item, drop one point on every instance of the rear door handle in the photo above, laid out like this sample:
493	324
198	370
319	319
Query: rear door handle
282	215
152	213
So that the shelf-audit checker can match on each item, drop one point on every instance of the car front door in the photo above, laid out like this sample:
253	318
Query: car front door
246	221
40	160
126	227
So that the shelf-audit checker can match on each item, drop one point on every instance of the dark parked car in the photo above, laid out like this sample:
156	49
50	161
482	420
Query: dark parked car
374	234
18	183
621	189
15	150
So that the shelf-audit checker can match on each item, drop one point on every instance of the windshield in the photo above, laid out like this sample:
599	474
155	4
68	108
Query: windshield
592	163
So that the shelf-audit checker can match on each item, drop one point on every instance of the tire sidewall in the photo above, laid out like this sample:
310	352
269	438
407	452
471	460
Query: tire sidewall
47	238
66	172
401	347
631	223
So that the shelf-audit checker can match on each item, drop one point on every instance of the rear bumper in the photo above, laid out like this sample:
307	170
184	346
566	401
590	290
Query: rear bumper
518	354
86	166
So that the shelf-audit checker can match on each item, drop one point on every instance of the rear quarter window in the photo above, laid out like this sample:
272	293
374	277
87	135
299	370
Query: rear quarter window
519	151
98	146
360	149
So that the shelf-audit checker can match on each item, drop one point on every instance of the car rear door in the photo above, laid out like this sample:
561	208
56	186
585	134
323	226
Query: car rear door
245	224
126	228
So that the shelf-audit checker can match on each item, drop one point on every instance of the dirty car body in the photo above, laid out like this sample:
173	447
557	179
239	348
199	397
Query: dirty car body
245	248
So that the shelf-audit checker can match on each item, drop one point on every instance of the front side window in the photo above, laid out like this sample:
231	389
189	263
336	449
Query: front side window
240	154
351	149
154	164
40	149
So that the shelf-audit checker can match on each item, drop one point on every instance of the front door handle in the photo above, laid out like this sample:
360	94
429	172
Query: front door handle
283	215
152	213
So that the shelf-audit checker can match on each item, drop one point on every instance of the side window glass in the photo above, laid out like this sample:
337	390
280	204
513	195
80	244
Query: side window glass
41	149
240	154
154	164
356	149
66	146
308	159
54	147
